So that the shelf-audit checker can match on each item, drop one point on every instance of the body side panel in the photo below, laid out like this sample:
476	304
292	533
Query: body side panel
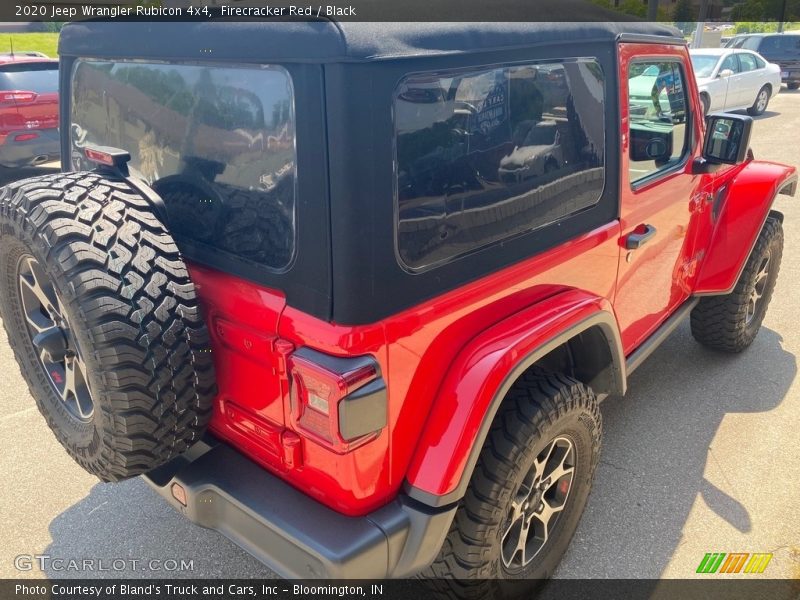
657	278
416	350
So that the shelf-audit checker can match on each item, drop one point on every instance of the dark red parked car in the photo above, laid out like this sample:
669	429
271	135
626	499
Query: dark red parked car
351	293
28	110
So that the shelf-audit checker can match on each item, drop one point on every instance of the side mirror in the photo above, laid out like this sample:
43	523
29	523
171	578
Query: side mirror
727	139
725	73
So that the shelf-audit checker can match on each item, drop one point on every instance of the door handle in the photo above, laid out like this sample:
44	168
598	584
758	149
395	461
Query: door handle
637	239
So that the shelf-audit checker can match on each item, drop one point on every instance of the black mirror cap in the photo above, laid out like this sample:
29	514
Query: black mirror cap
727	139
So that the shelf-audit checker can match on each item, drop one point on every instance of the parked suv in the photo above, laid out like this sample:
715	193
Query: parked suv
326	294
28	109
780	48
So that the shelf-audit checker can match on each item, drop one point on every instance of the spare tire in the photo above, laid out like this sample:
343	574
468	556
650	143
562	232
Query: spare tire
104	321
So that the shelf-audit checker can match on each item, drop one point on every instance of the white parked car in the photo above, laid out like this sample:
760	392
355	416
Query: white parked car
732	79
539	152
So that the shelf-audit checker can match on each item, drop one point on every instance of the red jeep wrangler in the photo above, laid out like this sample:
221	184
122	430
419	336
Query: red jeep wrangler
351	293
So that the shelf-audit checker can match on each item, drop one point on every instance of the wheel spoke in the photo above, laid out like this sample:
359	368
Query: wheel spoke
548	510
34	288
69	380
545	527
35	305
516	512
522	542
751	308
39	326
76	388
59	308
38	285
44	356
510	541
49	329
541	464
559	472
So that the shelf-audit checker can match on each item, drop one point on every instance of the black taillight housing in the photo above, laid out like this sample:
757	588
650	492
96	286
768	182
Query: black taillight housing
338	402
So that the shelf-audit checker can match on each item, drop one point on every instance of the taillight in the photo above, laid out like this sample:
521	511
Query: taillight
337	402
97	156
15	96
108	157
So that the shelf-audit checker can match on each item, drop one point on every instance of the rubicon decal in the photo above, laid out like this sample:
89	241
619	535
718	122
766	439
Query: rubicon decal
741	562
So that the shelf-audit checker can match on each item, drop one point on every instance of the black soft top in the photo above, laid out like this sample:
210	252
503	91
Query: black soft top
327	41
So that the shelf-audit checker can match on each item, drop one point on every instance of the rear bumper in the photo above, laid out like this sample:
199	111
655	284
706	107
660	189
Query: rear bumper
290	532
790	75
45	148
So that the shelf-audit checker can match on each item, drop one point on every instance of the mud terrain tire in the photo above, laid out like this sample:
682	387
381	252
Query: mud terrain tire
541	408
124	376
729	323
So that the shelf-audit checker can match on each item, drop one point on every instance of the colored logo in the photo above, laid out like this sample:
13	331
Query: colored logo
736	562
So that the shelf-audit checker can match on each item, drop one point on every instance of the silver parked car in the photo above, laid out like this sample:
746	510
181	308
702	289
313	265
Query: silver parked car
732	79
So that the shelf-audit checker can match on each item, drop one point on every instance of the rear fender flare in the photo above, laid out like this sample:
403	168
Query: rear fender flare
481	375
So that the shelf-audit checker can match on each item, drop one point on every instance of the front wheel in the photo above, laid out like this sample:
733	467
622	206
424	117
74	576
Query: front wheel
528	490
731	322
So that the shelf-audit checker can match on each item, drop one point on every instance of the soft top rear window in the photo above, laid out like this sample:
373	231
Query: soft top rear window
41	78
216	143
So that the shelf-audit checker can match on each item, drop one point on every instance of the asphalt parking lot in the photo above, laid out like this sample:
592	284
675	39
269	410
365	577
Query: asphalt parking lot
700	456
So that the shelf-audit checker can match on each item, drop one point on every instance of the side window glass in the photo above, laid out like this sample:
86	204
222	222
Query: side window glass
759	61
753	43
748	62
731	63
768	44
484	155
657	111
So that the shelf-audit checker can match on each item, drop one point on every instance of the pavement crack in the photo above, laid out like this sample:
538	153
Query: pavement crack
101	505
617	467
721	470
13	415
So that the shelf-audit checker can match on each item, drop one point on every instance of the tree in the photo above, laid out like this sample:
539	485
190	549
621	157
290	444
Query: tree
683	15
633	7
752	10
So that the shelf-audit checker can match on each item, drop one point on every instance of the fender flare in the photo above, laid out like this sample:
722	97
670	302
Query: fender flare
745	202
480	377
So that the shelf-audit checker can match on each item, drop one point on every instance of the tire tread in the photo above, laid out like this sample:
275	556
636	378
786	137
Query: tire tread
130	288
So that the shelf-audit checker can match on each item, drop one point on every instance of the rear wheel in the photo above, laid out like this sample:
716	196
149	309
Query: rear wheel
761	102
794	85
104	322
527	492
731	322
